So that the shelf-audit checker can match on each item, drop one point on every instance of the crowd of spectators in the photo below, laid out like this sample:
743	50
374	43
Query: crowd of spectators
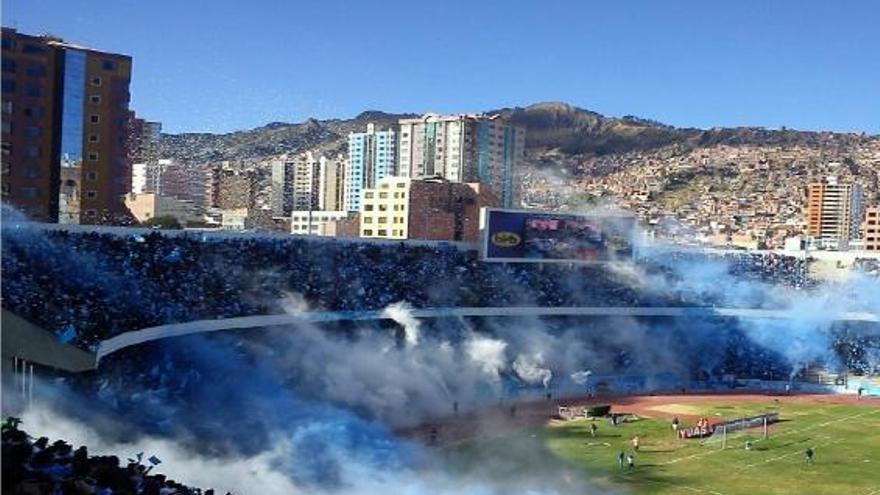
38	467
771	268
87	286
93	285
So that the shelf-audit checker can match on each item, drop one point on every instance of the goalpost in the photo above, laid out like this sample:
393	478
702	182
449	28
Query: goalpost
727	433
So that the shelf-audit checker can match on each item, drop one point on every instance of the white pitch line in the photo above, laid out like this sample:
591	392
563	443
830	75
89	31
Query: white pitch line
780	457
676	485
807	428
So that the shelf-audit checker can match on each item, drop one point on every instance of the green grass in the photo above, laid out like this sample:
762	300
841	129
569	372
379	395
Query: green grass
846	440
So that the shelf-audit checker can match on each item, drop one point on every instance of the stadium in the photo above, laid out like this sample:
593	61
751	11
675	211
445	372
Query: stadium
286	364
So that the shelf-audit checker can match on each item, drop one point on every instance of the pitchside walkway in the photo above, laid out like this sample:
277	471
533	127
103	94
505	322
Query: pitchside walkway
128	339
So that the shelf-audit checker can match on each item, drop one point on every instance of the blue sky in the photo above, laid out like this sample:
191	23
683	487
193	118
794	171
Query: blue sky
224	65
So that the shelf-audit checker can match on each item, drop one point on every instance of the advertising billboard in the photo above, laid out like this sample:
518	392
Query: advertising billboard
546	237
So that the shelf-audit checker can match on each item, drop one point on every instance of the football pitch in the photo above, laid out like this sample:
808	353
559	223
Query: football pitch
844	437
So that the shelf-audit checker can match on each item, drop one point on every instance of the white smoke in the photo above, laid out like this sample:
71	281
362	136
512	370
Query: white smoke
257	474
529	369
488	354
581	377
401	313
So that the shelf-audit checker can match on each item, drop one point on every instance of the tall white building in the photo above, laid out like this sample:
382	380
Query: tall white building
463	148
306	181
372	155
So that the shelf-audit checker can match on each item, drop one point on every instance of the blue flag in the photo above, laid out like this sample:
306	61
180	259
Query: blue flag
68	334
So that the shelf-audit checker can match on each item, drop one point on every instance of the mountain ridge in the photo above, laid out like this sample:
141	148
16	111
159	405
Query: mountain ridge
550	125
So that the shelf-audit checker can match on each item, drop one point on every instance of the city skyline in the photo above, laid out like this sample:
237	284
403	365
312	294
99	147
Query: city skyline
688	65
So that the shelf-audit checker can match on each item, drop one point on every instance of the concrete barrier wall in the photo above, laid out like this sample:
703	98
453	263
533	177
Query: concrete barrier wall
23	339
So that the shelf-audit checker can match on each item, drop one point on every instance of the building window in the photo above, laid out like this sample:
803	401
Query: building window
368	195
32	131
383	219
34	112
96	81
8	44
34	91
8	65
93	156
33	49
383	195
7	108
6	148
36	70
91	175
94	138
32	172
368	219
8	86
95	119
95	99
91	213
30	192
368	232
382	232
91	194
31	151
7	127
108	65
368	207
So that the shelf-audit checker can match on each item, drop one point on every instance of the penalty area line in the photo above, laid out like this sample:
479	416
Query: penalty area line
791	432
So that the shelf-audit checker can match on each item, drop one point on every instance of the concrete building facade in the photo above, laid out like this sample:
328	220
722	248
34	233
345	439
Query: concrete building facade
306	181
281	198
464	148
871	229
434	209
331	183
146	206
146	173
66	130
314	222
372	155
834	213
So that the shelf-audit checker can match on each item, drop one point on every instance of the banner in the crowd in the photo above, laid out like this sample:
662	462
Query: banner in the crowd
541	237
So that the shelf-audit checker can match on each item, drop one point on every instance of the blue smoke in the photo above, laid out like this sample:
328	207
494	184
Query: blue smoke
221	402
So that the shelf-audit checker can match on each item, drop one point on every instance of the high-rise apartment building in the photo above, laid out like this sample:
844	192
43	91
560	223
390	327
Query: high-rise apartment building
66	124
331	184
281	194
146	169
834	213
871	228
463	148
306	183
371	156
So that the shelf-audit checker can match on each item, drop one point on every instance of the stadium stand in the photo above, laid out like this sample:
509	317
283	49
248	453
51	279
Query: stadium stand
38	467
